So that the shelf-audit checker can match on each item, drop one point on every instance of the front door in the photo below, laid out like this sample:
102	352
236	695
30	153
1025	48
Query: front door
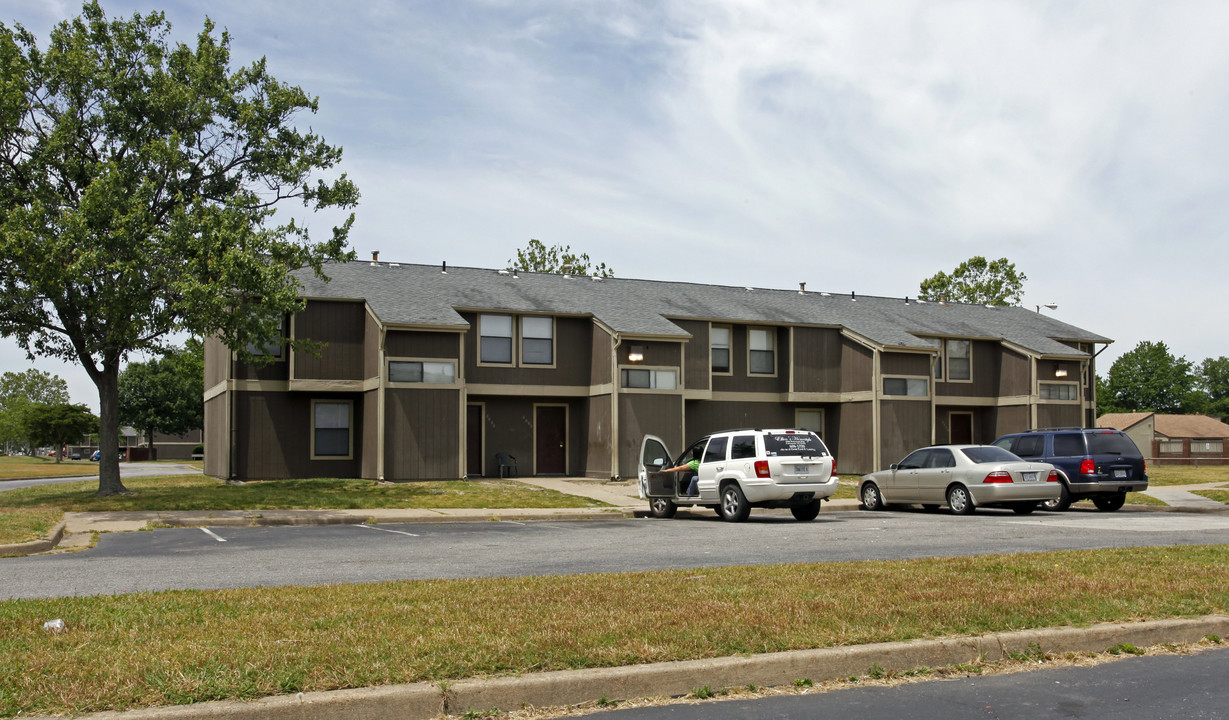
473	440
551	434
961	428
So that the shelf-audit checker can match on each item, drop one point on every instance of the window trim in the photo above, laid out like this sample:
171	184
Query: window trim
729	349
772	335
947	361
388	362
652	368
519	330
822	419
885	395
350	427
1072	384
512	355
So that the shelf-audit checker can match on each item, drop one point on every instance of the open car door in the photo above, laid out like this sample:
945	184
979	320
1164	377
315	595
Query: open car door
653	457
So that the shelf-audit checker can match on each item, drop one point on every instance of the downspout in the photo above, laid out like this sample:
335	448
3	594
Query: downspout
876	430
616	341
380	404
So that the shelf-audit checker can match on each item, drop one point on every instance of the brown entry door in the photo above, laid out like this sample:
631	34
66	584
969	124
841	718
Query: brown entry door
962	428
551	429
473	441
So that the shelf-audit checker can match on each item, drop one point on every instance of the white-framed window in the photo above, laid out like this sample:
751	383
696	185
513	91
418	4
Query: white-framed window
1170	446
422	371
719	349
761	351
537	340
332	430
810	419
959	360
906	386
495	339
1207	446
1058	391
649	379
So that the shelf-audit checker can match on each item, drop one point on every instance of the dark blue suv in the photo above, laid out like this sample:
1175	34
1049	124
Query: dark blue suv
1094	464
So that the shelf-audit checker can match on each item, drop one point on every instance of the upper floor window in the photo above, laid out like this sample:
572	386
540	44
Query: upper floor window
719	349
538	340
495	343
1059	391
647	379
761	345
331	429
909	387
959	360
415	371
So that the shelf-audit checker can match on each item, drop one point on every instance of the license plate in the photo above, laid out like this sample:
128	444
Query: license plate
1120	473
802	469
1028	477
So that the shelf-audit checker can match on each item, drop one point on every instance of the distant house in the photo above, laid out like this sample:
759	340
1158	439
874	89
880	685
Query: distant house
1174	439
432	371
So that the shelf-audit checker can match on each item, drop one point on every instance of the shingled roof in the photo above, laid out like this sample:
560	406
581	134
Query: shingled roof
426	296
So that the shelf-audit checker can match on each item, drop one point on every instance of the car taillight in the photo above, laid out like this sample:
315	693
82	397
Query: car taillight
998	476
1088	467
1052	477
761	469
1143	465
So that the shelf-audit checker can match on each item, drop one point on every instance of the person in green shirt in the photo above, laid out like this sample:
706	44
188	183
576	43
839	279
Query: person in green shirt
692	465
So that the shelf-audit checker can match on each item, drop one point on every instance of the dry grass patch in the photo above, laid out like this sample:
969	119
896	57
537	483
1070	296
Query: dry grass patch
1221	496
1162	475
178	647
33	466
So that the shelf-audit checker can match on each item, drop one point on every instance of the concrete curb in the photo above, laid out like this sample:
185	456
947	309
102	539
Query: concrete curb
36	546
426	701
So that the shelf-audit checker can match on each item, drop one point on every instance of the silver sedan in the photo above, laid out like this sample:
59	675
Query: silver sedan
963	477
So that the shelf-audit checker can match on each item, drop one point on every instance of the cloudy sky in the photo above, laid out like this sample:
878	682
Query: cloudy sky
853	146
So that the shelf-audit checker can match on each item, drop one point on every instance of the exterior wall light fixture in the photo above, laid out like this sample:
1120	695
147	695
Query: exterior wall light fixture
635	353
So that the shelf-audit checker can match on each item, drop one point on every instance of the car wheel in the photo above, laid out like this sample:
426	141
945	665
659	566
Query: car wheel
717	509
930	508
662	507
1060	503
734	507
872	499
810	511
1024	508
959	500
1110	503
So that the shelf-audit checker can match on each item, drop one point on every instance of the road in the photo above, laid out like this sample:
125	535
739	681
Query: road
214	558
1136	688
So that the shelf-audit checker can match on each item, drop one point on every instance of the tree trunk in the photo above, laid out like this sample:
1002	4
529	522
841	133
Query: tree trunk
108	431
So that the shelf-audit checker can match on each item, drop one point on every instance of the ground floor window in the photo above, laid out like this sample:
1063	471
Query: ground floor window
331	429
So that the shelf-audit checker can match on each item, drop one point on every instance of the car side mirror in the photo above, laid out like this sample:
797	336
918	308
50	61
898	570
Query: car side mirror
893	466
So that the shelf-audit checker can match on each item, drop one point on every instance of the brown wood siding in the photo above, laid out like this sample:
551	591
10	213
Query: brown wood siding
740	380
985	359
510	429
371	346
217	362
339	326
273	433
274	371
1059	416
422	434
599	357
817	359
1047	371
423	344
696	363
857	367
1011	419
371	432
600	445
217	445
573	361
898	363
704	417
656	353
1014	375
904	427
854	445
643	414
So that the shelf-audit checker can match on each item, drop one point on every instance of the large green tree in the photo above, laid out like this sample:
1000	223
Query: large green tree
139	180
978	281
166	394
1213	379
1150	379
59	424
18	393
536	257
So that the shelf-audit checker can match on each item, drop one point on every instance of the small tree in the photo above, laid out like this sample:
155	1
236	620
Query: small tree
1150	379
58	424
1213	380
977	281
138	185
165	395
536	257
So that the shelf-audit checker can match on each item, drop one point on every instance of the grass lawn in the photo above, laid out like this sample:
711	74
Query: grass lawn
1162	475
1221	496
26	466
24	512
147	649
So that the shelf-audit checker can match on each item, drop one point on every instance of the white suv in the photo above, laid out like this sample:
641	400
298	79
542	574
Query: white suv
739	470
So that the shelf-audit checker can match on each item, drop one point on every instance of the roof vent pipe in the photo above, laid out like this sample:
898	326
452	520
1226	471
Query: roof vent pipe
853	296
375	257
802	288
514	273
444	269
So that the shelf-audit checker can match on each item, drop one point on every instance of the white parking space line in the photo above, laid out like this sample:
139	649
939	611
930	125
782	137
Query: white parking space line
213	535
397	532
1168	522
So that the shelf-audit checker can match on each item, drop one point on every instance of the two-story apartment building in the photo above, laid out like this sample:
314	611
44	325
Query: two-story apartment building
430	371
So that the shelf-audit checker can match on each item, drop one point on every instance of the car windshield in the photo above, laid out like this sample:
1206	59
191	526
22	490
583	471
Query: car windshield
989	454
796	444
1111	444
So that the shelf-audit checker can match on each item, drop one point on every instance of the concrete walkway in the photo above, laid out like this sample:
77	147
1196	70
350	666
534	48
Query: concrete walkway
1181	497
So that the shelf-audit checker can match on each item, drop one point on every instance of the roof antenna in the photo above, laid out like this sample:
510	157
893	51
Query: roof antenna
444	270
